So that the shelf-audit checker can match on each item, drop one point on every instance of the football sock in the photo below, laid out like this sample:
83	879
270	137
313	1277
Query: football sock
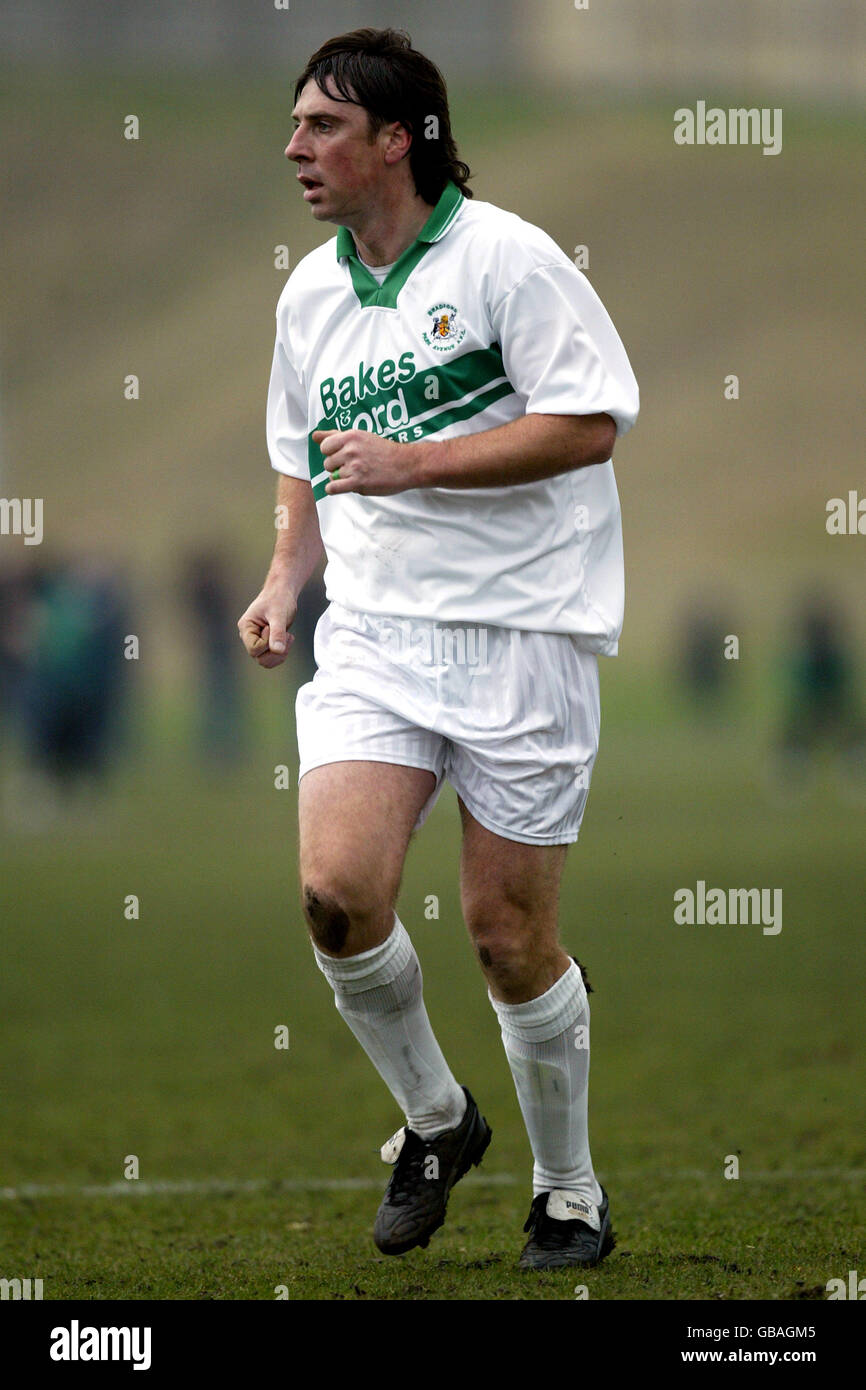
379	995
547	1045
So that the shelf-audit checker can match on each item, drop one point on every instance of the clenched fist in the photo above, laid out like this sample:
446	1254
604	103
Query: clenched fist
363	462
264	628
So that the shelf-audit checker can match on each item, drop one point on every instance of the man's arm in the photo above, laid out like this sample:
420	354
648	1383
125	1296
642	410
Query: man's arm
263	628
523	451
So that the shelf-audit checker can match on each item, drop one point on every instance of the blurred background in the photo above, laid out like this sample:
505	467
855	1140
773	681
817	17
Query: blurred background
139	749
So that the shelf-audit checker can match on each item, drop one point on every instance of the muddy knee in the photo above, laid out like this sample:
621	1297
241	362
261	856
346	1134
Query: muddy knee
346	917
519	960
328	919
503	958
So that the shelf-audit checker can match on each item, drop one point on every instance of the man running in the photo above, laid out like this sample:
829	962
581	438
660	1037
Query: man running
445	396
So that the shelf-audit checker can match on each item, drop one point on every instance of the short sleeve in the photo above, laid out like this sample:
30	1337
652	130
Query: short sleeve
286	416
561	350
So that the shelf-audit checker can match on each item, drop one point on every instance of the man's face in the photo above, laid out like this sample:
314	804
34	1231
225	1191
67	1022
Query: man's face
340	170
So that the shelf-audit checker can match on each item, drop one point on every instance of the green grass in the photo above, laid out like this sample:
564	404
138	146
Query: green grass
155	1038
686	1240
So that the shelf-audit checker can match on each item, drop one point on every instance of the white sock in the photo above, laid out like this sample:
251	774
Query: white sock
379	995
547	1046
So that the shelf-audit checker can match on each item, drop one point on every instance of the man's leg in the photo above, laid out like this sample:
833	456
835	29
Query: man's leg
356	819
510	897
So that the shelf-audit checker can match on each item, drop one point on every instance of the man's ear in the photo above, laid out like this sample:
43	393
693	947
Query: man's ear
399	143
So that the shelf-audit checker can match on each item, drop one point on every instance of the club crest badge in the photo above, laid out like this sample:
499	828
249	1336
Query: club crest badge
444	330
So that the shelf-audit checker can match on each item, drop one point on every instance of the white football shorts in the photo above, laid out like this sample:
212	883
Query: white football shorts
509	718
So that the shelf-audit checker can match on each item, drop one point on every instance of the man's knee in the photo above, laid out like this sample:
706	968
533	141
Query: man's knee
511	944
328	920
343	919
503	943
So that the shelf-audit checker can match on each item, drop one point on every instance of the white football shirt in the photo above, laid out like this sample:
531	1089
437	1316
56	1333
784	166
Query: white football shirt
482	320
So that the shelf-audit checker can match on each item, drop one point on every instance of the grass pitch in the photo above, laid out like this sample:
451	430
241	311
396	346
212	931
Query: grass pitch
155	1038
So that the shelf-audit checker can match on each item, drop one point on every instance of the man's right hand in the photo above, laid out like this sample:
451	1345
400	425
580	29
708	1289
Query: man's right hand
264	628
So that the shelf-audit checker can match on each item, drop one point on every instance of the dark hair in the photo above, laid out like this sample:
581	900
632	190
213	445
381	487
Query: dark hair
381	71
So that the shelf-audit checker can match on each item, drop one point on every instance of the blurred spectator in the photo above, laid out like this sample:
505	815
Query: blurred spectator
16	596
822	706
211	599
702	664
62	677
74	670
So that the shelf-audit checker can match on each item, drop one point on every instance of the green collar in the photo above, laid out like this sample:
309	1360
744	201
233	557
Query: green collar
366	286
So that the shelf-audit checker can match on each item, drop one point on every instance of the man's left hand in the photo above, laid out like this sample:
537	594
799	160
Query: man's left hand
367	463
